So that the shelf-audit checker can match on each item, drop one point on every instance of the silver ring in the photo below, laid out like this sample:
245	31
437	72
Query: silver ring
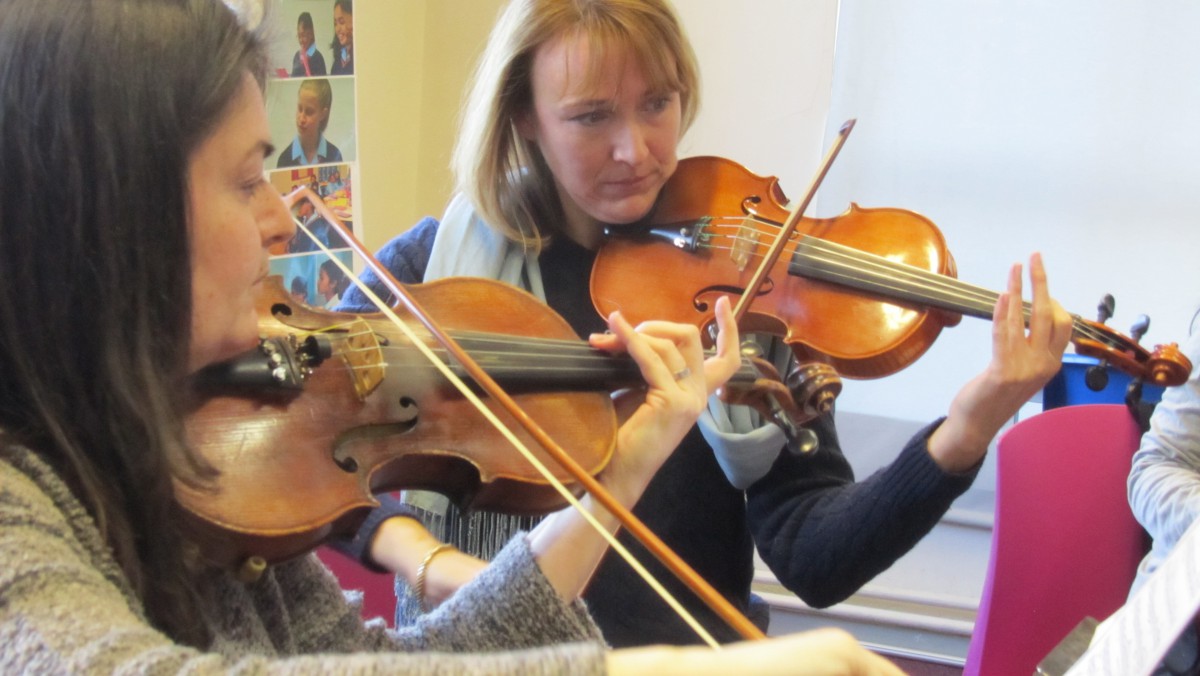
682	373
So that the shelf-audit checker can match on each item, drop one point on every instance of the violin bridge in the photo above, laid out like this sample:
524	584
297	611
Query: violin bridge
364	356
744	245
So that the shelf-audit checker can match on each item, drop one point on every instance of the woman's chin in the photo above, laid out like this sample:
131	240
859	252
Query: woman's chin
627	215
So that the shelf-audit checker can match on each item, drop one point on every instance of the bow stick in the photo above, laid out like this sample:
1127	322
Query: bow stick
789	226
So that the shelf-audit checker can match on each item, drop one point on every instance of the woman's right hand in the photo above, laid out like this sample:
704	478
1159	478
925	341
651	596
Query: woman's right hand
822	652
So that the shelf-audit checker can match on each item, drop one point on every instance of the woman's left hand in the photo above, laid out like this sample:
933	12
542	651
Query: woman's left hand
1022	362
679	381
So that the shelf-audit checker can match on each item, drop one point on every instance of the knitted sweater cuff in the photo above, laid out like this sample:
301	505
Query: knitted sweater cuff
359	547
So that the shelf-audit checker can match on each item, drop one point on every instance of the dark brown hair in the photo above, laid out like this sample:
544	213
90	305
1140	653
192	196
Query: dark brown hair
102	102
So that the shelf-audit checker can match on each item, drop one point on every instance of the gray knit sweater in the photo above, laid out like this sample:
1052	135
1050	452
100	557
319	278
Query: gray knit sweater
65	607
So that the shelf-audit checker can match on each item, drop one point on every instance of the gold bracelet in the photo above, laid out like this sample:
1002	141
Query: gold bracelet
419	585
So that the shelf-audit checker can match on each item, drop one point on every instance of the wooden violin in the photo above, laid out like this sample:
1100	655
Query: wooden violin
333	408
867	291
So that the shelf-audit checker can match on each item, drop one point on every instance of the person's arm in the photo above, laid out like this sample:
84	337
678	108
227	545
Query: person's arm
1164	480
508	606
405	257
405	547
679	379
828	652
66	608
824	537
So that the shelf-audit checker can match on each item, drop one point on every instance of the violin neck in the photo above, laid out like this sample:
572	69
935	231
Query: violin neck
827	261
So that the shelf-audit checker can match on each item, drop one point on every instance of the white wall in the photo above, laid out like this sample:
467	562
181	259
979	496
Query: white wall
1014	125
765	83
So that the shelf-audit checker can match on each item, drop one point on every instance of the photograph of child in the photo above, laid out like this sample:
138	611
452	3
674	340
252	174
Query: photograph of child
312	124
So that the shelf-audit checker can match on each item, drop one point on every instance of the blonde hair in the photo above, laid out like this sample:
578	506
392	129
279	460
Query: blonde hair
324	93
502	173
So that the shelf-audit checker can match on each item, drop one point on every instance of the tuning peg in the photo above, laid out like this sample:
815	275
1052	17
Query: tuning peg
1133	393
1104	311
1096	376
1139	328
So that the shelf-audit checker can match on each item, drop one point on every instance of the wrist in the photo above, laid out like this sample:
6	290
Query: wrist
957	448
422	574
400	544
625	479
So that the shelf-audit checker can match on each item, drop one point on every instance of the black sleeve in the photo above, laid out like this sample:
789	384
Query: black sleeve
824	536
406	256
358	547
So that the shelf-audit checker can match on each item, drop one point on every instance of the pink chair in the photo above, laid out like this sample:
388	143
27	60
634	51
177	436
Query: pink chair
1065	545
379	595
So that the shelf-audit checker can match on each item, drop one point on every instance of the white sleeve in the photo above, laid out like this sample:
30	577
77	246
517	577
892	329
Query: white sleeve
745	446
1164	481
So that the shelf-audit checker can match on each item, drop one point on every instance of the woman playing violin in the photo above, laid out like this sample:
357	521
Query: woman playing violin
134	246
572	124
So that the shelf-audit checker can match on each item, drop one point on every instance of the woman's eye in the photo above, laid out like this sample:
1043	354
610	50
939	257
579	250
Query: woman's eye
592	117
658	104
249	187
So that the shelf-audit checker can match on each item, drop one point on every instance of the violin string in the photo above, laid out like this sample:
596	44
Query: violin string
905	277
532	353
579	360
858	265
535	354
508	434
535	347
936	285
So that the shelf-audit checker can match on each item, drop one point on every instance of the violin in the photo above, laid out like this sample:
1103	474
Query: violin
866	292
334	408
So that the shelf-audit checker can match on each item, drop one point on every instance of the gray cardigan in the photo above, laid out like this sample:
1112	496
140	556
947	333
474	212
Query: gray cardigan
65	607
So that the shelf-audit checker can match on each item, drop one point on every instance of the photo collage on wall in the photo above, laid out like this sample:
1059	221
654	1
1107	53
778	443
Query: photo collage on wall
311	110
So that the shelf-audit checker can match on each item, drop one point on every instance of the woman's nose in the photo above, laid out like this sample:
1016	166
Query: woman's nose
275	221
629	145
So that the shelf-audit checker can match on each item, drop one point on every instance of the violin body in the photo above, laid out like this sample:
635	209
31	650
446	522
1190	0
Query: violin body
298	466
738	211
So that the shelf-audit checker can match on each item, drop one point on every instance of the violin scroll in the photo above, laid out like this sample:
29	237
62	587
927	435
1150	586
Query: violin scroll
808	392
1165	366
814	385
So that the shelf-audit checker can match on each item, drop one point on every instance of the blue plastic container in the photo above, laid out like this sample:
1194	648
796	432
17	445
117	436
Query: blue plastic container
1068	386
